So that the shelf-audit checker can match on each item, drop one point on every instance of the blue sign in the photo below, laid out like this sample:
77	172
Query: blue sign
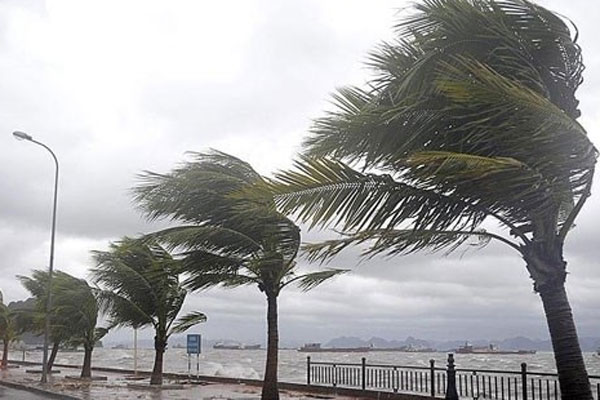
194	344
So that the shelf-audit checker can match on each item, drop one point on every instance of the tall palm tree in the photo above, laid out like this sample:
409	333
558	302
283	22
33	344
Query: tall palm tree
9	331
61	329
229	237
471	117
142	288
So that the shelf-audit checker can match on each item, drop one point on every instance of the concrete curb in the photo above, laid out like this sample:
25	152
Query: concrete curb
46	393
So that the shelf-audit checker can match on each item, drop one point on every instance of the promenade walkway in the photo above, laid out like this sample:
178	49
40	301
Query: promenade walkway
13	394
116	387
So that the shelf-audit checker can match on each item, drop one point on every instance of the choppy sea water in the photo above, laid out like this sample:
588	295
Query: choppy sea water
292	364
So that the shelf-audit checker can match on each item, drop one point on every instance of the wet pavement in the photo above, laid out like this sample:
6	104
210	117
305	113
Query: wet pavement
117	387
12	394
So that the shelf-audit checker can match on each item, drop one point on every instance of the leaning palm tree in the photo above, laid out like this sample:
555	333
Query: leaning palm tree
142	288
471	117
9	331
228	237
61	329
75	306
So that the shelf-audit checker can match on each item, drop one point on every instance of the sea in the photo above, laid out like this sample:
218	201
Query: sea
292	363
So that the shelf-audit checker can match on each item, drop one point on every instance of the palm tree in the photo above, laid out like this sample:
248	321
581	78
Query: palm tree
75	304
9	331
471	117
228	237
61	329
141	282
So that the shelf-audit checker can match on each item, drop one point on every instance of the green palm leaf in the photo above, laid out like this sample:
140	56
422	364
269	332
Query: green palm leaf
325	192
392	242
141	284
311	280
187	321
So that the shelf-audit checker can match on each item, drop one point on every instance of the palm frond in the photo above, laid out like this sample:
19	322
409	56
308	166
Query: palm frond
187	321
311	280
99	333
122	311
216	238
206	280
509	185
487	100
214	176
75	307
330	193
391	242
141	283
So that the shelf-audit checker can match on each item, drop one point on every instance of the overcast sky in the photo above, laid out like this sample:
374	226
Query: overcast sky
116	87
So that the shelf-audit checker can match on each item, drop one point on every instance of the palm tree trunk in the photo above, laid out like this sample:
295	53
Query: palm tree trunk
160	344
5	355
86	371
53	354
270	390
572	375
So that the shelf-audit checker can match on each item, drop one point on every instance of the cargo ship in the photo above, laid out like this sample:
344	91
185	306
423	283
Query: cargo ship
316	348
491	349
236	346
405	349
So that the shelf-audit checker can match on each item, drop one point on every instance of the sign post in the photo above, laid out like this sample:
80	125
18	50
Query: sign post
135	352
194	346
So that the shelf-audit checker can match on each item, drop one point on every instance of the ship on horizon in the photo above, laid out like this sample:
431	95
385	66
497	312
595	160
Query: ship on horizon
316	348
236	346
491	349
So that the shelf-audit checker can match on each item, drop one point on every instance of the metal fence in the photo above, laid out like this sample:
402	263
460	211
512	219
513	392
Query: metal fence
433	381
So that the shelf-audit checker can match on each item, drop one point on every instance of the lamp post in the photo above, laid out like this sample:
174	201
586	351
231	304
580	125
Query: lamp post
25	136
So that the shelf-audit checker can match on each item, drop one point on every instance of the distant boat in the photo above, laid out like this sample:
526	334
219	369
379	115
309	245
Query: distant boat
491	349
238	346
120	347
316	348
406	349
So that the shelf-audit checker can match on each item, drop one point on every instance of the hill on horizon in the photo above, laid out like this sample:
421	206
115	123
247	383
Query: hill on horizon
513	343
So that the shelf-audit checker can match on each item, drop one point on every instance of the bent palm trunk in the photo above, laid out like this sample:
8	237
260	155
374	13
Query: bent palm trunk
53	354
270	390
160	345
86	370
5	355
572	375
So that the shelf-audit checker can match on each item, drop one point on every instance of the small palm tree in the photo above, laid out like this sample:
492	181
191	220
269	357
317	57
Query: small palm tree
9	331
142	288
33	320
75	307
230	236
471	117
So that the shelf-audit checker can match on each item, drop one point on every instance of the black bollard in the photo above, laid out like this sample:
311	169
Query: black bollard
451	393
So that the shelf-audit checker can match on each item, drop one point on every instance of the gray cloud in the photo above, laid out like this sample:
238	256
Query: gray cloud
113	102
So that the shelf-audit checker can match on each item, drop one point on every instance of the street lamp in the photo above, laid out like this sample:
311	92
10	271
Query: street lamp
24	136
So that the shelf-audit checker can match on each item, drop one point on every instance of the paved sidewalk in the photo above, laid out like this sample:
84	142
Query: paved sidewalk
13	394
116	387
